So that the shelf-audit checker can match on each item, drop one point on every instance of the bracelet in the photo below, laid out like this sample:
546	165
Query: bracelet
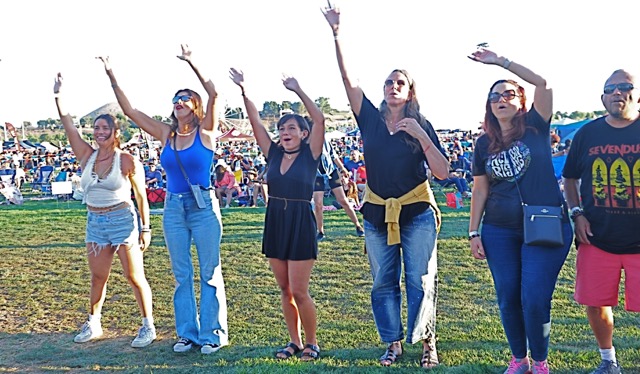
425	151
114	85
242	93
146	230
335	36
506	63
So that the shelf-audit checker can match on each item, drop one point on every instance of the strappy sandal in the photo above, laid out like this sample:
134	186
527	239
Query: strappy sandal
429	355
284	353
311	355
390	356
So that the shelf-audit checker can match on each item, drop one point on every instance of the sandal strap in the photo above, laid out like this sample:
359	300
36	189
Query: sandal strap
313	347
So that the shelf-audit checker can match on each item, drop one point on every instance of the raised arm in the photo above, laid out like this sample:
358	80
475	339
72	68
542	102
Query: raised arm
316	138
210	119
157	129
354	92
81	147
259	131
542	97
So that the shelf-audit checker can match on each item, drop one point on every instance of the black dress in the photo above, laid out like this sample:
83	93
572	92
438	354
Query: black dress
290	225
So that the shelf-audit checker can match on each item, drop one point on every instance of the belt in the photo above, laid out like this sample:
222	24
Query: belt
108	209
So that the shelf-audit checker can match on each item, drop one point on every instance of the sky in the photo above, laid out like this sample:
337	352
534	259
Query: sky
574	45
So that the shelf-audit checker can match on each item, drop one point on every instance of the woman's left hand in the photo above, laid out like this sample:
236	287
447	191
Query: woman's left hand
145	240
485	56
411	127
290	83
186	52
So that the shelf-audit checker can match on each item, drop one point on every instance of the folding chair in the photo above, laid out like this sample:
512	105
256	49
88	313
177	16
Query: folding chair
43	183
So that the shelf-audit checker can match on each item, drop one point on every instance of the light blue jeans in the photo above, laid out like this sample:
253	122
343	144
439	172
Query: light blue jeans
419	256
183	222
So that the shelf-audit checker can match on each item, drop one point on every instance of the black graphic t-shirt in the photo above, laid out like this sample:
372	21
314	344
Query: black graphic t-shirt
607	161
527	160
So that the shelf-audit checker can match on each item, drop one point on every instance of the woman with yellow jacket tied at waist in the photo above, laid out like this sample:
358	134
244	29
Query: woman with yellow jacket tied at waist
399	209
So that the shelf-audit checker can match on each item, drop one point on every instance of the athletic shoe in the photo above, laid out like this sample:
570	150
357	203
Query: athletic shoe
88	332
183	345
320	236
608	367
359	232
146	335
516	366
209	348
540	367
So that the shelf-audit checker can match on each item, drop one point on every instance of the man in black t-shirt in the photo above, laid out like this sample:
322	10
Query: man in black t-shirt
602	172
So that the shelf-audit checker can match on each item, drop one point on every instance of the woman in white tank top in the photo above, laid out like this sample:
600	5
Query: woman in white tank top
108	176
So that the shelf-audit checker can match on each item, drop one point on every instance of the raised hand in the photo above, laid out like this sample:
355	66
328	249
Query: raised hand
484	55
290	83
186	53
237	76
57	84
332	14
105	62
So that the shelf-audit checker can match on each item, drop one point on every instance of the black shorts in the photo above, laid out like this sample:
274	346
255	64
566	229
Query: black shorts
333	178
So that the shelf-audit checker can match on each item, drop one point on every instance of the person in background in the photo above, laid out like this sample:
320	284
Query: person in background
399	208
289	237
225	183
190	138
112	222
605	211
512	166
153	177
328	168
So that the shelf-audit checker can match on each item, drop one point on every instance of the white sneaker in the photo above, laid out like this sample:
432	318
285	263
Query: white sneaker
88	332
183	345
209	348
146	335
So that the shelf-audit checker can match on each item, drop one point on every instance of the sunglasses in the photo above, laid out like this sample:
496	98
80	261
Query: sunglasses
508	95
390	82
183	98
622	87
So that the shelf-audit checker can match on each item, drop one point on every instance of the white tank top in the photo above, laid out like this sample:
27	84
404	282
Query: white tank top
112	190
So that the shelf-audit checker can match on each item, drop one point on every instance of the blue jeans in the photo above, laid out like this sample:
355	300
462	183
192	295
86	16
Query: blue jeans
525	277
183	222
419	255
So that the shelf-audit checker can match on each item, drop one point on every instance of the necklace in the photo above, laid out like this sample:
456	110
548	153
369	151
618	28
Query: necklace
106	158
289	154
188	133
386	122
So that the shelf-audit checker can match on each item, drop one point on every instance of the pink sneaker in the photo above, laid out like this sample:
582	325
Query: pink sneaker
540	367
521	366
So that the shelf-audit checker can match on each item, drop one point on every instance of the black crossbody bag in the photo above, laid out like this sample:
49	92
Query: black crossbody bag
195	188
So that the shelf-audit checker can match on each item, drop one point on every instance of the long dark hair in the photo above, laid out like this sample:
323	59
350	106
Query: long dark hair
114	125
497	141
198	109
302	123
411	110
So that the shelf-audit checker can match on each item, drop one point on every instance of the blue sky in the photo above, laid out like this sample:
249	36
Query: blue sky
575	45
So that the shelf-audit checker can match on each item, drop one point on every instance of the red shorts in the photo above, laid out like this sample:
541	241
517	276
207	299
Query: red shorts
598	276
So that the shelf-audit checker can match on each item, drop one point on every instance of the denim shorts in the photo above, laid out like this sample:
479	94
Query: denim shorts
115	228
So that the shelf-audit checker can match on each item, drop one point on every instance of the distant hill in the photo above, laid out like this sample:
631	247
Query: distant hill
110	108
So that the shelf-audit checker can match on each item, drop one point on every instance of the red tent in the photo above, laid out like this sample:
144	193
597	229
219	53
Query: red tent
235	135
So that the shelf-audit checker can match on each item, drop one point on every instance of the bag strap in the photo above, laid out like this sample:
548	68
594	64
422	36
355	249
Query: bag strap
515	179
184	173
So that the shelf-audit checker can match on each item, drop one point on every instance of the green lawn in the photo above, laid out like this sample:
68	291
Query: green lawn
44	285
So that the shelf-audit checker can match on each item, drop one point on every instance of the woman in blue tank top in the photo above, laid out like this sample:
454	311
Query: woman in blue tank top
188	153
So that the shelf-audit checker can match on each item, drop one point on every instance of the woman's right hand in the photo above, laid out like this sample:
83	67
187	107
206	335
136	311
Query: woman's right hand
332	14
485	56
57	84
237	76
105	62
477	249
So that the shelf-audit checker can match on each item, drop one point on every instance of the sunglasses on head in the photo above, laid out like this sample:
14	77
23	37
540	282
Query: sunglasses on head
390	82
494	97
183	98
622	87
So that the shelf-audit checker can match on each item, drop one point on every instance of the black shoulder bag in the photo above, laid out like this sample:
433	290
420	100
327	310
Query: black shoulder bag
542	223
195	188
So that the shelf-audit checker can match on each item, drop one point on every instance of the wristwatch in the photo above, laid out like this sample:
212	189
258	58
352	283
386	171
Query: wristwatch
575	212
473	234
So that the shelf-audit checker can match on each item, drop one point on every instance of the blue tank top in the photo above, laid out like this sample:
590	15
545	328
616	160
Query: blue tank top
196	160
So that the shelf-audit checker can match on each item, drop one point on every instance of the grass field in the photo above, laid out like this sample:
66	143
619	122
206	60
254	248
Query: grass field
44	285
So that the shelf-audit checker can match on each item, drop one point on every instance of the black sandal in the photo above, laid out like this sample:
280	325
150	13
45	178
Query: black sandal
311	355
429	355
286	354
390	356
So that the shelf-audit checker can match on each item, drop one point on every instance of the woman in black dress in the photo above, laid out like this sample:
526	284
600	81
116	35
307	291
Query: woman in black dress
289	239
